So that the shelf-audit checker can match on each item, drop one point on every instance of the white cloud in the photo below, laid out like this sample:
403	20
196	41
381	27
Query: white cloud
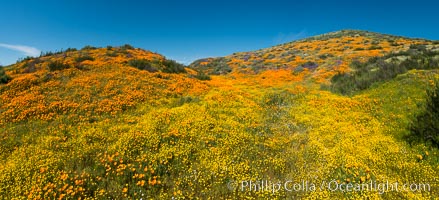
26	50
284	38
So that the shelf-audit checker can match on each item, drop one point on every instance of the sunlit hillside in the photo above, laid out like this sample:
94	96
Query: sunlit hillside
126	123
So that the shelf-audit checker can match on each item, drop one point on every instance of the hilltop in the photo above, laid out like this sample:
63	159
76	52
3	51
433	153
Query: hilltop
316	58
126	123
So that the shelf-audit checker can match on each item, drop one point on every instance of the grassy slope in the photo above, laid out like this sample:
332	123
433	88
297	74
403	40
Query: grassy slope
191	143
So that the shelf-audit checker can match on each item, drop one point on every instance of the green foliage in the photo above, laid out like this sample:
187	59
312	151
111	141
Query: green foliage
30	66
58	65
143	64
111	53
310	65
51	53
171	66
168	66
298	70
202	76
84	58
4	78
425	126
380	69
71	50
217	66
27	58
375	47
88	47
126	47
325	56
419	47
47	53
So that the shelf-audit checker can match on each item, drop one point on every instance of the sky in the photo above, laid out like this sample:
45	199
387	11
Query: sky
186	30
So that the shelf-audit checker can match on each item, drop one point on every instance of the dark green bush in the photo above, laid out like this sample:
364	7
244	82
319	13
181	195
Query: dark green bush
419	47
70	50
27	58
310	65
143	64
58	65
126	47
172	66
84	58
88	47
168	66
378	69
47	53
111	53
375	47
4	78
425	127
202	76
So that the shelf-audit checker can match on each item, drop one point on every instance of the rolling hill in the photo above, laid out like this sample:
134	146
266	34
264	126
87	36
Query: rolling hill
127	123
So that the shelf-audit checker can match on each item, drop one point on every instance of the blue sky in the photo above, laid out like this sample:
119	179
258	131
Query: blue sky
186	30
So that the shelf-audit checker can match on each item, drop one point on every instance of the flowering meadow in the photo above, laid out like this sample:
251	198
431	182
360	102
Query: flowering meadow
90	124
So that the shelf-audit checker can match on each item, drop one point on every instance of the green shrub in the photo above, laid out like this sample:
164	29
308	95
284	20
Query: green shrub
375	47
4	78
31	65
27	58
425	127
126	47
88	47
171	66
84	58
419	47
58	65
298	70
142	64
111	53
70	50
202	76
378	69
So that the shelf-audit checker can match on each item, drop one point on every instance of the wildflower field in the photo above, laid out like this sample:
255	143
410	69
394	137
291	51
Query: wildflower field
125	123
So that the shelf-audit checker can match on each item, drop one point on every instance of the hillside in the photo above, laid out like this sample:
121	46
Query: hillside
126	123
84	83
316	58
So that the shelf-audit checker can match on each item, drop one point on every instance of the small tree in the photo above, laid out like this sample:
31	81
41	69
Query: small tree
426	125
